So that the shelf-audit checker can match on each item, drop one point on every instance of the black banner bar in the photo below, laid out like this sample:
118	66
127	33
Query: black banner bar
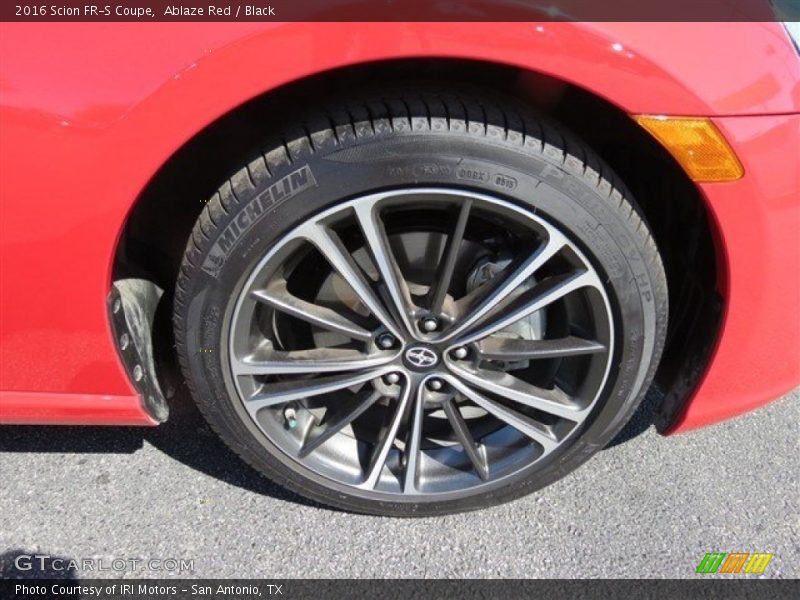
704	587
401	10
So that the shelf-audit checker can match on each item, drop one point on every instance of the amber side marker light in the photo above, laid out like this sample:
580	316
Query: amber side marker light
697	145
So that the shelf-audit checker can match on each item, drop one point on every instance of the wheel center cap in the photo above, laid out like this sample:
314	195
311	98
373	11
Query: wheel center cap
420	358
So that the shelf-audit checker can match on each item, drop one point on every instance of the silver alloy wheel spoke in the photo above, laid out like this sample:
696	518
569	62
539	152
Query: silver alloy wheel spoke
338	421
541	295
447	265
554	402
331	247
503	348
412	450
282	392
386	440
279	298
499	289
525	425
315	360
464	437
382	256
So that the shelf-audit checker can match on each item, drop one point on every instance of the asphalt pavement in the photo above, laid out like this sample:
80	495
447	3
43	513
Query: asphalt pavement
647	506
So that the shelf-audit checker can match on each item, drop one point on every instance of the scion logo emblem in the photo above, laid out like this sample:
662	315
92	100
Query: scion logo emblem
421	357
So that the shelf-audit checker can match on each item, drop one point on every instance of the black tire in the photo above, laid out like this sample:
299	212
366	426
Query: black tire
467	139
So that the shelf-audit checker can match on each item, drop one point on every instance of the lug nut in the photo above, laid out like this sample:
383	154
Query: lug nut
391	378
385	340
291	417
430	324
460	353
435	384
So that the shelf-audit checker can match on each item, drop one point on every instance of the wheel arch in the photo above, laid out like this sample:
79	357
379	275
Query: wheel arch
151	243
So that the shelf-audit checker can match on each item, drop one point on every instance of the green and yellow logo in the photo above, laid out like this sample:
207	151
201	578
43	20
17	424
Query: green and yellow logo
735	562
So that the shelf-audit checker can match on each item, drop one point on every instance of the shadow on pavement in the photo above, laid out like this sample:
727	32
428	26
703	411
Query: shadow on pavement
641	420
187	438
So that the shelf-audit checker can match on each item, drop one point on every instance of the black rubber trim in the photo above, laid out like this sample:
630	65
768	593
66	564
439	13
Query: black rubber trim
132	306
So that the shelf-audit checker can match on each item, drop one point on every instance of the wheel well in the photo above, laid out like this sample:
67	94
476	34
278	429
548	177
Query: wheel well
158	227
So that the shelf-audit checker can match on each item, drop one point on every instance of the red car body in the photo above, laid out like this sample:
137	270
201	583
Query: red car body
90	112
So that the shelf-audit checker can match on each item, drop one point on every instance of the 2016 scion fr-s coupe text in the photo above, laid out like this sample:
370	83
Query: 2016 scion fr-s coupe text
403	268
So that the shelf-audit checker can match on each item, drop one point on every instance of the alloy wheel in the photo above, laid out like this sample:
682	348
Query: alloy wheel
421	342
